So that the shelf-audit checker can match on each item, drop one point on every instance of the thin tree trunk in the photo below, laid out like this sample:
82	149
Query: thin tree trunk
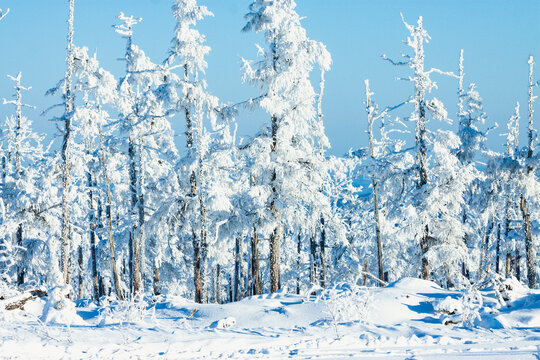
421	143
322	246
197	242
518	265
214	284
425	248
20	263
365	272
80	273
369	110
134	237
238	283
66	152
108	212
141	216
498	250
156	281
131	268
508	264
255	270
275	241
218	284
204	248
313	260
484	257
197	269
298	263
91	186
230	289
529	247
275	251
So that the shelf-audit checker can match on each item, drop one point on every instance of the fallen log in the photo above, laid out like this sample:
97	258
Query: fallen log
17	302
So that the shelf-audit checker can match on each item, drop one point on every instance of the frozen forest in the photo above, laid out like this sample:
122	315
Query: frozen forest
115	221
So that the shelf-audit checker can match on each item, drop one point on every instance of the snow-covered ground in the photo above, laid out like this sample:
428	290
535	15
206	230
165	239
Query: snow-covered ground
404	320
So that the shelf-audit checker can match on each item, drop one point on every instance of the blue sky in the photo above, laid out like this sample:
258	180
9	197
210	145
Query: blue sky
497	36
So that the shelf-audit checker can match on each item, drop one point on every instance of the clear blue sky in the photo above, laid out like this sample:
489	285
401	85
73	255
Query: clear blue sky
497	36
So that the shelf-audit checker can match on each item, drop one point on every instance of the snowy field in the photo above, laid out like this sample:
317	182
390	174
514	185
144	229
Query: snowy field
409	319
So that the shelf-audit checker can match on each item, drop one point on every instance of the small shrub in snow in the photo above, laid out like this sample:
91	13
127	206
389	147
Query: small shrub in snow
226	323
133	310
449	306
345	303
463	311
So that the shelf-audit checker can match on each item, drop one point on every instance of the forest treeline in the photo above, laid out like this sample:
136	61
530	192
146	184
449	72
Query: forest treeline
115	208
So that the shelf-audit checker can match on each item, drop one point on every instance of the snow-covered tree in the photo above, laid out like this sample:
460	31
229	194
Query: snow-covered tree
433	218
295	173
188	53
150	146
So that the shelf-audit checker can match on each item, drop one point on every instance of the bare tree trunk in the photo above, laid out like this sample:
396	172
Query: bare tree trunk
230	289
275	245
298	263
80	273
313	260
238	283
275	251
134	237
518	265
425	247
204	247
141	215
92	220
20	263
322	246
508	264
255	270
197	269
108	212
218	284
214	284
156	281
365	272
196	240
369	110
484	257
130	262
66	152
498	250
529	245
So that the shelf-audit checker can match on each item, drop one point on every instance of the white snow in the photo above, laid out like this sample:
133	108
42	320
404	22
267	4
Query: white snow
400	321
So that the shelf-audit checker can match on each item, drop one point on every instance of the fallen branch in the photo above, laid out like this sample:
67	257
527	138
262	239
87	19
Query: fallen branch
373	277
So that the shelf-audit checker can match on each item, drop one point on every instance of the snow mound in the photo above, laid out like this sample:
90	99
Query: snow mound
414	285
59	309
511	289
